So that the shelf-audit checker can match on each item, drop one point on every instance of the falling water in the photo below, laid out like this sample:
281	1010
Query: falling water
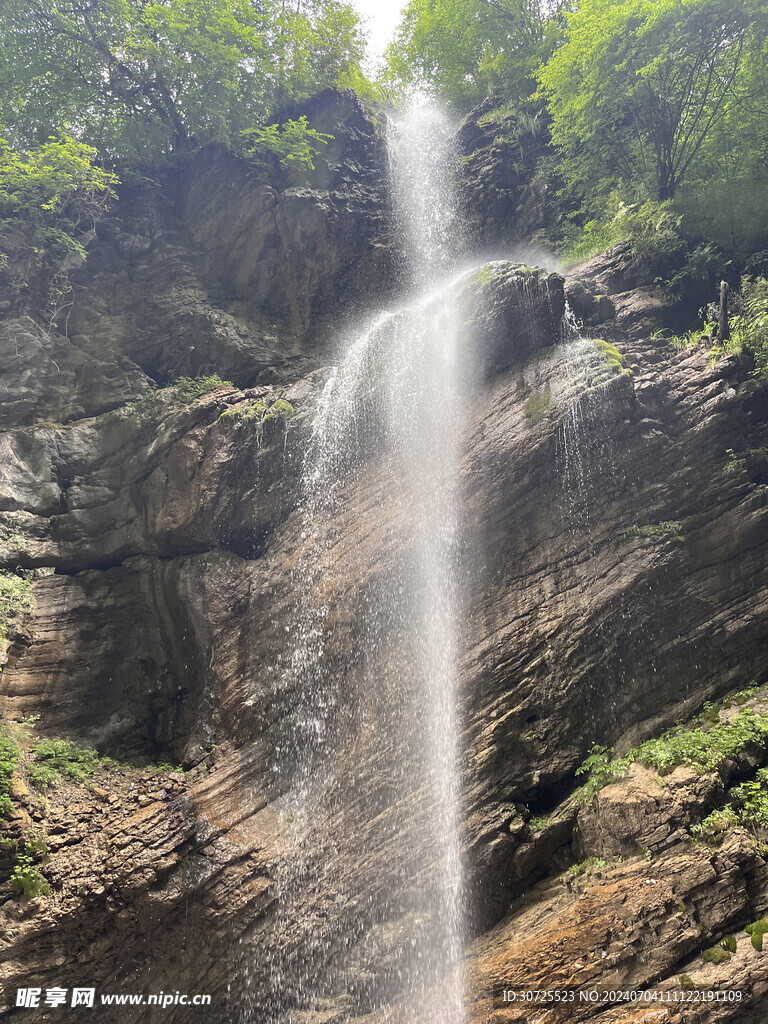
397	394
425	400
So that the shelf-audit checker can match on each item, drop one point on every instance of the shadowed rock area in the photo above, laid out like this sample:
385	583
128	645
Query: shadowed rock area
614	511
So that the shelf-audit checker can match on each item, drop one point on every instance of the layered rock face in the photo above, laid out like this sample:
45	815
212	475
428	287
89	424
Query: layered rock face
614	525
508	182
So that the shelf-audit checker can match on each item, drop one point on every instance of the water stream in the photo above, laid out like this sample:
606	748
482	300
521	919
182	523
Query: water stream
397	392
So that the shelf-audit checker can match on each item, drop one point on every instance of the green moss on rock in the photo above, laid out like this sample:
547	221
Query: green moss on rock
756	931
261	410
537	405
715	955
654	531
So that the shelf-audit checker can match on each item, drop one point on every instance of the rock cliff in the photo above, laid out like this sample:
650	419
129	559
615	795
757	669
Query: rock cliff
615	511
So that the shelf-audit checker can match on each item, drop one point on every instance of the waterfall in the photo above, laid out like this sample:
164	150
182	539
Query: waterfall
426	391
394	402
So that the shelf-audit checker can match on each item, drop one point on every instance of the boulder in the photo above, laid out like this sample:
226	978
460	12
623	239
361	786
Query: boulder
514	311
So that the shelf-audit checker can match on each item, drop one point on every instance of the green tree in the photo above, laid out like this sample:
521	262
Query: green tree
724	196
640	87
138	78
50	199
466	48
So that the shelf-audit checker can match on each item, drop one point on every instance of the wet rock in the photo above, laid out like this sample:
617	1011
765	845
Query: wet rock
515	311
565	452
227	267
619	289
617	578
587	304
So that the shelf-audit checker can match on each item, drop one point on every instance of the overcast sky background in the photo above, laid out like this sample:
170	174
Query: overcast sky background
381	17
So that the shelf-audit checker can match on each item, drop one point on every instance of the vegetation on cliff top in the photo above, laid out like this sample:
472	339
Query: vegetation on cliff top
652	106
649	113
50	198
142	80
466	49
638	88
89	91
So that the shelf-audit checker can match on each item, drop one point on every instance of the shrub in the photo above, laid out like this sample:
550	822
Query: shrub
750	800
42	776
9	759
53	758
651	228
601	770
292	143
14	598
27	879
260	411
705	749
750	327
705	746
190	389
706	262
716	823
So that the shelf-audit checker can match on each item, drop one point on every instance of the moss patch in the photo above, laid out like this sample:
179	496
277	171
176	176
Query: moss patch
280	407
715	955
757	930
537	405
484	275
655	531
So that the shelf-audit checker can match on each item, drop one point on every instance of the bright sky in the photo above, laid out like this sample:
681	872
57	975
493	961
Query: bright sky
381	17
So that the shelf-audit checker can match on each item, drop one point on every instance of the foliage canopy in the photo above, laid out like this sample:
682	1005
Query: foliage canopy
467	48
139	79
639	87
